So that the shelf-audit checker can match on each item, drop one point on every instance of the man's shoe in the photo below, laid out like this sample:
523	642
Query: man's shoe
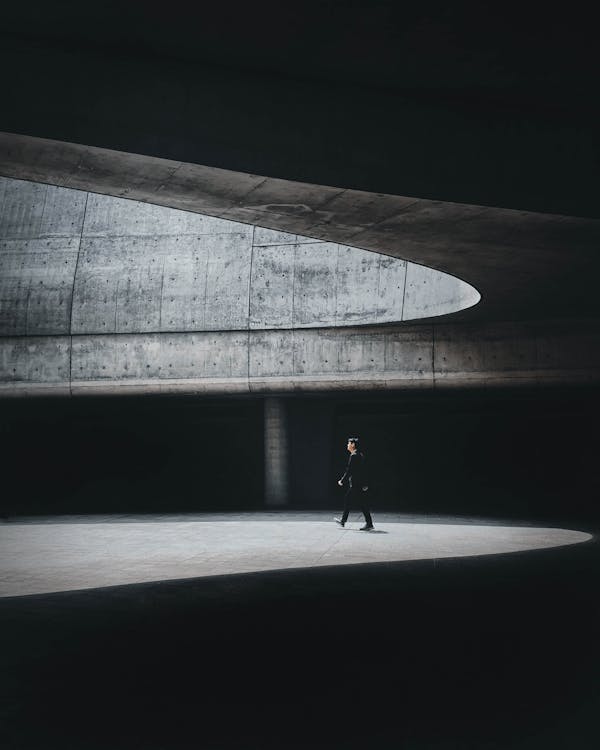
339	520
366	527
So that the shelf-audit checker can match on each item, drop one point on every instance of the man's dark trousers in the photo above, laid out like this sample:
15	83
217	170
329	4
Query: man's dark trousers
356	498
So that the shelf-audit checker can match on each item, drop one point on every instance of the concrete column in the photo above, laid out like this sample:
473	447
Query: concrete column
276	452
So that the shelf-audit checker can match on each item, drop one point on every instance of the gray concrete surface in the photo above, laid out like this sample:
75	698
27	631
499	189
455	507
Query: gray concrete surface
83	263
51	555
99	294
526	265
223	362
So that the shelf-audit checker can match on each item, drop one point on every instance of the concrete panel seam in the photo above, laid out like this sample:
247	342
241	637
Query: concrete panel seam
377	314
250	297
160	297
206	267
295	260
337	273
44	207
87	195
404	289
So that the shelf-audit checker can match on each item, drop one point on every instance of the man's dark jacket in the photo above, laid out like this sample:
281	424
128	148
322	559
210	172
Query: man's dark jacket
356	472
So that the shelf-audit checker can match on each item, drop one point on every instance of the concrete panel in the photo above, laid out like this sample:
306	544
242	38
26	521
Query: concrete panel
361	352
502	352
364	281
36	282
357	281
182	296
315	285
317	352
118	285
271	354
227	282
391	289
205	283
136	284
430	293
39	241
146	357
64	212
272	285
31	210
22	209
409	354
109	217
34	364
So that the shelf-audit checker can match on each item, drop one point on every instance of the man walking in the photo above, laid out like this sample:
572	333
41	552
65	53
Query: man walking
356	494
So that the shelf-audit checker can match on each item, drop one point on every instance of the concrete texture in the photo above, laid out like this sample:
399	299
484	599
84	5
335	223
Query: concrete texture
106	295
526	265
60	555
83	263
302	360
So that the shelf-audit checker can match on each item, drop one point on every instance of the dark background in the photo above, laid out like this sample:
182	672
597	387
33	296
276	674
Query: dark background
520	454
481	103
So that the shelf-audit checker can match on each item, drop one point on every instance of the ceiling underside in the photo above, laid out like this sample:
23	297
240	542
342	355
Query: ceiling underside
459	102
525	265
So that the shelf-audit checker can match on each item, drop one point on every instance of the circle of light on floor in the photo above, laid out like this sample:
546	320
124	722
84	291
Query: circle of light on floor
57	556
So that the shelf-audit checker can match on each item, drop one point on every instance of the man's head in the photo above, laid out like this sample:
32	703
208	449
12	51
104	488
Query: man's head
353	444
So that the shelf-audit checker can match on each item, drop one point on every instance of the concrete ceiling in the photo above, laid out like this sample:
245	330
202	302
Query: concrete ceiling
526	265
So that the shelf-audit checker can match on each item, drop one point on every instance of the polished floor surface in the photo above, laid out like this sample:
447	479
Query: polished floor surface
47	555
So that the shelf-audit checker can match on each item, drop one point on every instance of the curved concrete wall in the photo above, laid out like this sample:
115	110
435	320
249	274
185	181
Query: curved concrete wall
424	356
102	294
79	263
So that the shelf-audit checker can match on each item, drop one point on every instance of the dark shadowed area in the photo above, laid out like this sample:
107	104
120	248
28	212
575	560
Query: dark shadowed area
454	102
523	454
496	652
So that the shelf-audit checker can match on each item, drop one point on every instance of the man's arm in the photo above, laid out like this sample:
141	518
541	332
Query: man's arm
365	475
347	472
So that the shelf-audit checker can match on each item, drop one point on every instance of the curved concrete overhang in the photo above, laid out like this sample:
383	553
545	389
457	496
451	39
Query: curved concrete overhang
526	265
73	262
91	309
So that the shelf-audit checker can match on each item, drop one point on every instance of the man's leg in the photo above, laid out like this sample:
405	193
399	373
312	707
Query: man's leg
347	505
366	512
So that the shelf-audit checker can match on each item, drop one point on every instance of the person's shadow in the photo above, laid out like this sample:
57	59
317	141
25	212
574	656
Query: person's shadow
373	531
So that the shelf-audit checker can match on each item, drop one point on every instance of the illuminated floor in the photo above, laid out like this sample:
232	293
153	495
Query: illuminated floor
61	554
